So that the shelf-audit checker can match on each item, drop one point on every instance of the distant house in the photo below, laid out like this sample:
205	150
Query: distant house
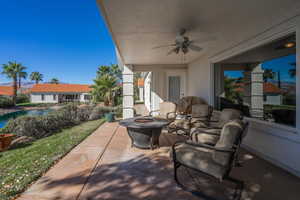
6	91
58	93
272	94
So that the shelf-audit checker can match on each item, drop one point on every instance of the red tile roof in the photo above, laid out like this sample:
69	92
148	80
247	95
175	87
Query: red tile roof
6	90
47	87
269	88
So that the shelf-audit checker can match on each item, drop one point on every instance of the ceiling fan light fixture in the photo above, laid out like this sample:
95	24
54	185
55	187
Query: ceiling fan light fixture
289	44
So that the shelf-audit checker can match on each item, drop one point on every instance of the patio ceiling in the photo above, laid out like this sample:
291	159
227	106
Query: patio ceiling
139	25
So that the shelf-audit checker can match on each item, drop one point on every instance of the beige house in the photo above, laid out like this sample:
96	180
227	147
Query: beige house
234	36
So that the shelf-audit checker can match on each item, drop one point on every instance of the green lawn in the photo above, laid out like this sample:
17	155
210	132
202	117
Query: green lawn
21	166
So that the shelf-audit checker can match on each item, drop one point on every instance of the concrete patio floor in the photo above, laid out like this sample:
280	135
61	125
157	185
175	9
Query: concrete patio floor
104	166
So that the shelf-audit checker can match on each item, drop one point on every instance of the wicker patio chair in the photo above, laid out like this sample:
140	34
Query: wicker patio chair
214	161
167	110
209	132
182	126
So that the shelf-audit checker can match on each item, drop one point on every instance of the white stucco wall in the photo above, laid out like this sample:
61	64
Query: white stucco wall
147	91
198	79
82	97
273	99
48	98
155	86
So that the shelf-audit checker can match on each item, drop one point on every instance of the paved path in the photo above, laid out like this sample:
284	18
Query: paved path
104	166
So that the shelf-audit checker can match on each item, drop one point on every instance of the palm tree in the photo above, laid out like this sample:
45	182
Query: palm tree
268	74
103	70
116	71
54	81
36	76
112	70
11	70
21	73
104	88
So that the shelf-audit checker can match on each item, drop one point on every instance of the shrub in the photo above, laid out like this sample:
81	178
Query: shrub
84	112
119	111
99	112
6	102
43	126
22	98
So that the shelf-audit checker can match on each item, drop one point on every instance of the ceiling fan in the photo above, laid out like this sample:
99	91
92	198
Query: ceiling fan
182	44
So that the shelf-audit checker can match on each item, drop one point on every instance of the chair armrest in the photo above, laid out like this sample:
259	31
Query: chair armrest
152	111
199	144
171	113
205	132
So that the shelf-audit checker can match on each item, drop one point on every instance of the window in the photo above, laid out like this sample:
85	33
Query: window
87	97
261	83
54	97
43	97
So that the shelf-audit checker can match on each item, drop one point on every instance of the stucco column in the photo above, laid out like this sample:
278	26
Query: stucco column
128	99
257	93
247	88
141	94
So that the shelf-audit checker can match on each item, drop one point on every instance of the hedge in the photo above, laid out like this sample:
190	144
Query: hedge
43	126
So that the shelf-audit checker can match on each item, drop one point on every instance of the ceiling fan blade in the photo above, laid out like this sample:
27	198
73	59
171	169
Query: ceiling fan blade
171	51
194	47
204	40
161	46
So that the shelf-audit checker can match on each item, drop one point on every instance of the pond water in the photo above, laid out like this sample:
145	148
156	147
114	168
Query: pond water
6	117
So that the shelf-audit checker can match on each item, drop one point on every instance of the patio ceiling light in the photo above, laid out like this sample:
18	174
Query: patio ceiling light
289	45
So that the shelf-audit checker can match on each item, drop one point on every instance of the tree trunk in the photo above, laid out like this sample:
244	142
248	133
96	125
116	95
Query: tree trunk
15	86
20	82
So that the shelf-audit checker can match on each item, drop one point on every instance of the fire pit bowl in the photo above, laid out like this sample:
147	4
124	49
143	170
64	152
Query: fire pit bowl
144	132
144	120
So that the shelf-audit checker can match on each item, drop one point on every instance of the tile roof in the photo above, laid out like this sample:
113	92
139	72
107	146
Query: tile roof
6	90
268	88
47	87
271	88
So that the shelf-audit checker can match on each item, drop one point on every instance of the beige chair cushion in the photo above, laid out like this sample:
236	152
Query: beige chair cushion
229	135
199	158
228	114
198	135
165	108
184	105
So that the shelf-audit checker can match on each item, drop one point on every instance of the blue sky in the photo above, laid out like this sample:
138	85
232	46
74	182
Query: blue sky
279	64
65	39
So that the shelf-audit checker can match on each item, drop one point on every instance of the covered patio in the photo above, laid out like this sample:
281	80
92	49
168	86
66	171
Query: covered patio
233	37
105	166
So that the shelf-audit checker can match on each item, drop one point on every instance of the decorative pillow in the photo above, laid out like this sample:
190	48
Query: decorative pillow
199	122
200	110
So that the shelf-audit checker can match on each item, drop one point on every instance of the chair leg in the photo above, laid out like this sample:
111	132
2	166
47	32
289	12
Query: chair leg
176	166
239	186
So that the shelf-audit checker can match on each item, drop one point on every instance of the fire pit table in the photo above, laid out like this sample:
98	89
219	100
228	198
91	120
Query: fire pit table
144	132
